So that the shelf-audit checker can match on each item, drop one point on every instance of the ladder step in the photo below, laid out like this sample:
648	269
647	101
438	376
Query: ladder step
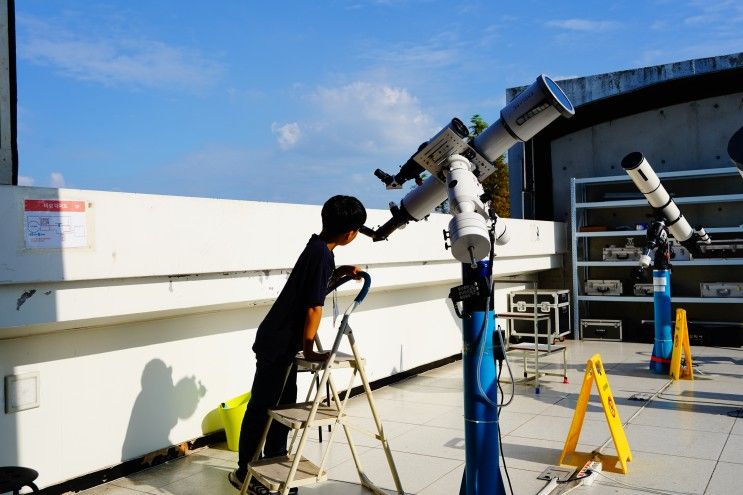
273	472
342	360
295	415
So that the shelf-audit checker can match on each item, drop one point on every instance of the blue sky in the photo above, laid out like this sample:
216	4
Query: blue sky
295	101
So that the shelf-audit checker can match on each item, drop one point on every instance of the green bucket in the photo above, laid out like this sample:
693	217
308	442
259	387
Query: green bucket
232	412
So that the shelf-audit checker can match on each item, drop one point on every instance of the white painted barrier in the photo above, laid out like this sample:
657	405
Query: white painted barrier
138	335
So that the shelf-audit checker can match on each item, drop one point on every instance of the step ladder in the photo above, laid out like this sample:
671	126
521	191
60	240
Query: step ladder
280	474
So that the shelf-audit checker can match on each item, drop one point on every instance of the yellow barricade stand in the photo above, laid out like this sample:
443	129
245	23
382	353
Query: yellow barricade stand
595	373
681	342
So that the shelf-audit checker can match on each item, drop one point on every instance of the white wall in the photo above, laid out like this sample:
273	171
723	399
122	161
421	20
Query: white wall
140	335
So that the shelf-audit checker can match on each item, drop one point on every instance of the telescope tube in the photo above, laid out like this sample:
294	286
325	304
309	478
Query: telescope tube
642	174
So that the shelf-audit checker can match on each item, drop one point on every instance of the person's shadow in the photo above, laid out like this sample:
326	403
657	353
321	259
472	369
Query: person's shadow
157	409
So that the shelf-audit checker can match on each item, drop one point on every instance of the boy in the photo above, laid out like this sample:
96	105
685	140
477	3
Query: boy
290	326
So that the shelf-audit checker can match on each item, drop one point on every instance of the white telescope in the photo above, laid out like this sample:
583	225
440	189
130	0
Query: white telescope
531	111
642	174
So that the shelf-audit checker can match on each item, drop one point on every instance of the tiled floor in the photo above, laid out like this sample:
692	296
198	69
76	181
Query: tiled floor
683	441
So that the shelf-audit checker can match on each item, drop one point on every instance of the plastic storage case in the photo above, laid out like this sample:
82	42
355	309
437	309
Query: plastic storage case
625	253
642	289
591	329
603	287
721	289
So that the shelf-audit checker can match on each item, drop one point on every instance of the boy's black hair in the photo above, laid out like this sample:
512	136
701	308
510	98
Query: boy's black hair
341	214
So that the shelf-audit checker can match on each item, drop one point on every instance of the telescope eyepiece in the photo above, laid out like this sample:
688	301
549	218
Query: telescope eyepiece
383	176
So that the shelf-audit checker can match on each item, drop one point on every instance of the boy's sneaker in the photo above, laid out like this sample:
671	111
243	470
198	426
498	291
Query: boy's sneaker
255	487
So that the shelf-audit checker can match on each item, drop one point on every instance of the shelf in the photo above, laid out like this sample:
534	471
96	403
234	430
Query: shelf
674	300
709	172
627	207
674	264
638	233
683	200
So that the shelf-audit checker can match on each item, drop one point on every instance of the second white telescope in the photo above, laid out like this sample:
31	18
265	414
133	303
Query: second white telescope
642	174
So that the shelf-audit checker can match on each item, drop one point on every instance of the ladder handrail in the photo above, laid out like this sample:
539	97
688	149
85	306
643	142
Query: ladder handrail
364	290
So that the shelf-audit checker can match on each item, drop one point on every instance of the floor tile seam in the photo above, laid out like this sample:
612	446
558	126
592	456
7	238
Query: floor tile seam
126	487
415	401
610	482
665	454
712	475
398	422
133	490
174	468
458	430
409	401
675	428
416	453
186	478
717	463
442	476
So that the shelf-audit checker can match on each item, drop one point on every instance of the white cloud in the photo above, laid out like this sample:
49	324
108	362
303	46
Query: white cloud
288	135
56	179
116	59
372	116
584	25
24	180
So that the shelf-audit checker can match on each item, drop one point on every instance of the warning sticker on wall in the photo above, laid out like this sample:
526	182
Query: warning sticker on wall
50	223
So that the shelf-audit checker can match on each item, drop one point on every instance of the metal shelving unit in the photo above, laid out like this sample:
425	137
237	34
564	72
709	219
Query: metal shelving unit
581	265
639	233
676	264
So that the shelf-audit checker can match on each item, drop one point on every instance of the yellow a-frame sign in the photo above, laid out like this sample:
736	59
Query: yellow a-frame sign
681	341
595	372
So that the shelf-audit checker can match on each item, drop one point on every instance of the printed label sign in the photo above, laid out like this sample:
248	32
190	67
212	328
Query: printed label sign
50	223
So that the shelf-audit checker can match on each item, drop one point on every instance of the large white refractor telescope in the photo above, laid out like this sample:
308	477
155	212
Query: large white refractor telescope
458	165
642	174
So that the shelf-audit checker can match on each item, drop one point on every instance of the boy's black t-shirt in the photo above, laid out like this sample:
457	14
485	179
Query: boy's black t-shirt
280	334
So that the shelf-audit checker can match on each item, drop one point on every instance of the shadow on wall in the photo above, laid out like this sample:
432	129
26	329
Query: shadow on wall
157	409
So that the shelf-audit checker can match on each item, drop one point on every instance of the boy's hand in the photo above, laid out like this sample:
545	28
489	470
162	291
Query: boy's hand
347	270
316	356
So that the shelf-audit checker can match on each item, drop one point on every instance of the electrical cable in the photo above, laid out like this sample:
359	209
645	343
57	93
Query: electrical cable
500	435
656	394
641	488
481	352
701	402
508	365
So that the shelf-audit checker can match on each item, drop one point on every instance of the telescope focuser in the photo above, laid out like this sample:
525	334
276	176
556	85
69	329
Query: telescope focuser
409	170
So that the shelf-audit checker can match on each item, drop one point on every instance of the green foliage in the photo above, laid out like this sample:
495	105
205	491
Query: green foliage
496	185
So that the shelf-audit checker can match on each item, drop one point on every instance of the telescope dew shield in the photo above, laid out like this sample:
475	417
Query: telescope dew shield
531	111
735	149
642	174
